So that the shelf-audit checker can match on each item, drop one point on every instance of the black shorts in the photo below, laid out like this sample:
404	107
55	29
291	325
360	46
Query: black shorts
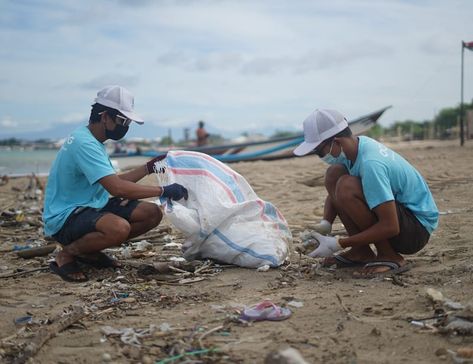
83	220
413	236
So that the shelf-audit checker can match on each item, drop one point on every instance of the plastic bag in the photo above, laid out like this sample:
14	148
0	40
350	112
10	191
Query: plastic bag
223	219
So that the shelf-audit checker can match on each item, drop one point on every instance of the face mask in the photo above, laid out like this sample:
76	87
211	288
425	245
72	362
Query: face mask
117	133
330	159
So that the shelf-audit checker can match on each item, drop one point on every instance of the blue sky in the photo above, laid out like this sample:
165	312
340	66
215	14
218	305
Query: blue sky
239	65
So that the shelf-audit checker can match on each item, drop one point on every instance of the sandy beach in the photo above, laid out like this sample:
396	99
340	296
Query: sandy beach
192	317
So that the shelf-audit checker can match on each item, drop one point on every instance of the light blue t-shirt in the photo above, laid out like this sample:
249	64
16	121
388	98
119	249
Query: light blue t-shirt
73	179
386	176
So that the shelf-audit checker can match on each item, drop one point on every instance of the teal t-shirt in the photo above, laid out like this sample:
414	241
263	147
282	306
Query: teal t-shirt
73	179
386	176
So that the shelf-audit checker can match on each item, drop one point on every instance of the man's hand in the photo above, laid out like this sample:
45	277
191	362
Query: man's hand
175	192
327	246
150	164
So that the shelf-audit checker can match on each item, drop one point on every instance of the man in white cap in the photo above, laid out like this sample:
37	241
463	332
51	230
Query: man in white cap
379	197
87	206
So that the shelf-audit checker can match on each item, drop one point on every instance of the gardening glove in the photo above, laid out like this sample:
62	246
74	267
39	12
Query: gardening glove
174	192
323	227
327	246
150	164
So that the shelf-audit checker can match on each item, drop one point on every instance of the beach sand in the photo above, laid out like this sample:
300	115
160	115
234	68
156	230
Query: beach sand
342	320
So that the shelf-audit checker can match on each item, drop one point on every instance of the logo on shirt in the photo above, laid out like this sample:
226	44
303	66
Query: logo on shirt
69	141
384	151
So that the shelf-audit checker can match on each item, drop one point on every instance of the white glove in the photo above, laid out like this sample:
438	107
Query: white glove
327	246
323	227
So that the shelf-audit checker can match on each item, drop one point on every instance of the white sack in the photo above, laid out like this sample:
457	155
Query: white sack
223	218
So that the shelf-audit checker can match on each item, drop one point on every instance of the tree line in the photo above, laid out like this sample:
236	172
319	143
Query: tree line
444	125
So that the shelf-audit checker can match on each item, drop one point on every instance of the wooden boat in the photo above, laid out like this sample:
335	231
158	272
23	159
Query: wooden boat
263	150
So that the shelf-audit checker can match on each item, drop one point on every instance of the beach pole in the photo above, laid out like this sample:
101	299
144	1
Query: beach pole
462	137
467	45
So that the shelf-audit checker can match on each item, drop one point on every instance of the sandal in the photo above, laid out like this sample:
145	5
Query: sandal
99	260
265	310
67	270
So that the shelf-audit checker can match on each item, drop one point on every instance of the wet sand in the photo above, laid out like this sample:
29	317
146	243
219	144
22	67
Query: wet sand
342	320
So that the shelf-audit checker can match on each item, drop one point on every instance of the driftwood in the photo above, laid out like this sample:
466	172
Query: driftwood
17	274
47	332
36	252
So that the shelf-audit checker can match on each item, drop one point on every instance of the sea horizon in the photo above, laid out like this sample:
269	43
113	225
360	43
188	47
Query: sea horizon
15	161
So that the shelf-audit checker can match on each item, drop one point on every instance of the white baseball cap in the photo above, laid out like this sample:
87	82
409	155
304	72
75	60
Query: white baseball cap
119	98
320	125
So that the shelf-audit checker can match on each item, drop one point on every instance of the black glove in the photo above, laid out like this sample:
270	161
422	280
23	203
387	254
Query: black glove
175	192
150	164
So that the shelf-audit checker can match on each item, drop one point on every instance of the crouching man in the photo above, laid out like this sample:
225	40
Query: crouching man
87	206
380	198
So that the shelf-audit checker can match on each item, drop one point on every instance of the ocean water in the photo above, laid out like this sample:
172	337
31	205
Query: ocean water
26	161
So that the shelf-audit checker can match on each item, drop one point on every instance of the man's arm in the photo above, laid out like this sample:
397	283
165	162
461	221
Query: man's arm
135	174
121	187
386	227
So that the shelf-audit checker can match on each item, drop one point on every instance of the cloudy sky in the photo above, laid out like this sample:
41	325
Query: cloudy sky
240	65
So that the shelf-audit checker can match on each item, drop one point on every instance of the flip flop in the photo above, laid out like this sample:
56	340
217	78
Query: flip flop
394	268
65	271
265	310
100	261
341	262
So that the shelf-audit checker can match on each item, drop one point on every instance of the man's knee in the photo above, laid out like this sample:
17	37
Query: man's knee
347	188
156	215
117	229
333	174
149	212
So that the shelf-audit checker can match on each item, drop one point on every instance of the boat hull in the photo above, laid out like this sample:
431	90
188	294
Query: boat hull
265	150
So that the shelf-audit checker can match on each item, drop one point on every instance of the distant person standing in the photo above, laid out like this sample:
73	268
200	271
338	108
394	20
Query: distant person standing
202	135
87	206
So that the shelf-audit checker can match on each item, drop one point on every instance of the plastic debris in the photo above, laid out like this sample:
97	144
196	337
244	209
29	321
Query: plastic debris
285	356
296	304
23	320
129	335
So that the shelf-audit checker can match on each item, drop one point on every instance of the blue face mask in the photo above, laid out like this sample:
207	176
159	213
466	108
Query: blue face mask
330	159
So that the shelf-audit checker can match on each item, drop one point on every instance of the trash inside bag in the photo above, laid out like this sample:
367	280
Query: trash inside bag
223	218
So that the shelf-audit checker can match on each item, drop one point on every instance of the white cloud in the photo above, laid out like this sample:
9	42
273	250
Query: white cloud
236	64
8	123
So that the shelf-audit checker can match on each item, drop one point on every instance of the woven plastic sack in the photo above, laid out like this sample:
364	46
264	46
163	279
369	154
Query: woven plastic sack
223	219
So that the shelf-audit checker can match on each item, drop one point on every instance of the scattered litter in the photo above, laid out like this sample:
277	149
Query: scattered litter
171	246
21	247
458	321
142	245
129	335
438	297
265	310
172	359
23	320
309	242
164	327
462	355
285	356
296	304
263	268
177	259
